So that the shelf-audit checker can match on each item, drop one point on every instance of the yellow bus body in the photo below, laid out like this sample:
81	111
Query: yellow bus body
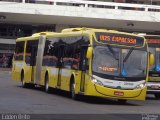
90	88
153	85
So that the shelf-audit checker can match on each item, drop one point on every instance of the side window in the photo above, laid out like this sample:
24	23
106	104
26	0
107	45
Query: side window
19	51
68	57
31	52
76	56
70	61
50	57
75	52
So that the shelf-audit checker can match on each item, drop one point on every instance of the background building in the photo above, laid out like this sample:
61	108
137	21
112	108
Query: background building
25	17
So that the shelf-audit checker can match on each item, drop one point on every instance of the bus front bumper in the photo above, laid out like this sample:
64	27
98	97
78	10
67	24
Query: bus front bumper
153	87
105	92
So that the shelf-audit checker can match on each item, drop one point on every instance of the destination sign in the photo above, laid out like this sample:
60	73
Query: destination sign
121	39
153	41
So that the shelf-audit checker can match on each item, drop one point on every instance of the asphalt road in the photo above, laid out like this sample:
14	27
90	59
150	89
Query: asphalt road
15	99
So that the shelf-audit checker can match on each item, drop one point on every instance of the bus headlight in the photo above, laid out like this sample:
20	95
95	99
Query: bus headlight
95	81
140	86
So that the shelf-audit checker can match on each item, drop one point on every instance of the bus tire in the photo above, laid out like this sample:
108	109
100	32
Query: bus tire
74	96
122	101
157	95
23	84
47	88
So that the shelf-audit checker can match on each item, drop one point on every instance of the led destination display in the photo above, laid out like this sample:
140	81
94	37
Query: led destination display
153	41
113	38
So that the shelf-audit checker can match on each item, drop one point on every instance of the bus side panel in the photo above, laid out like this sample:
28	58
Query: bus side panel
33	75
53	77
18	60
16	70
13	71
78	81
43	72
65	79
27	74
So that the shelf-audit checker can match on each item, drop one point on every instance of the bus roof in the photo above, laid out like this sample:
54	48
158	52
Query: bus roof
85	29
114	37
153	40
151	35
67	30
34	36
72	31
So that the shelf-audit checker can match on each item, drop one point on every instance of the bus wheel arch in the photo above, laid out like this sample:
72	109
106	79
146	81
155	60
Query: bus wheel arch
72	88
46	82
23	84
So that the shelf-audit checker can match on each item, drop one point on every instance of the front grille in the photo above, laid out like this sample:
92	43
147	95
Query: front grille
118	88
154	87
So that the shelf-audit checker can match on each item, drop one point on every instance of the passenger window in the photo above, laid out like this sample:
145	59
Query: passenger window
19	51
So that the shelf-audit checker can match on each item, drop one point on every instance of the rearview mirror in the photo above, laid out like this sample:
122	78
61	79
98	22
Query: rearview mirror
89	52
151	59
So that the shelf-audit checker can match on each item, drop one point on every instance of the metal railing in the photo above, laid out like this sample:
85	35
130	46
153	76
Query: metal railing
92	4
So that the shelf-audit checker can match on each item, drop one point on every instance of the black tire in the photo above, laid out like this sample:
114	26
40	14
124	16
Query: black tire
74	96
157	95
47	88
23	84
122	101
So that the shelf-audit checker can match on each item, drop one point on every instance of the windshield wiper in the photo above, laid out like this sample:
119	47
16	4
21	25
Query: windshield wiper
128	54
112	51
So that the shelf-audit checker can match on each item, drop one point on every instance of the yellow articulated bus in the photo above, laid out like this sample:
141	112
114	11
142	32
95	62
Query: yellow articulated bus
154	71
86	61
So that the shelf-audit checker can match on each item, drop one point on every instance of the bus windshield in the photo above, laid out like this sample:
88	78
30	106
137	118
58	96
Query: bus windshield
136	64
105	62
116	61
156	66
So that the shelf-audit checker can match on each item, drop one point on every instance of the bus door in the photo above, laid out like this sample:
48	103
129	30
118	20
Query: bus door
83	66
60	61
33	61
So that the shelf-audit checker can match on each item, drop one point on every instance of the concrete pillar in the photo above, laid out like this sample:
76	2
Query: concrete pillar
23	1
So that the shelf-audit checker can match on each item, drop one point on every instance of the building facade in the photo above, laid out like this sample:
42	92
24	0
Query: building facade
24	17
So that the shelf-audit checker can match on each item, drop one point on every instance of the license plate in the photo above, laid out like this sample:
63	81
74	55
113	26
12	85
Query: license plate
118	93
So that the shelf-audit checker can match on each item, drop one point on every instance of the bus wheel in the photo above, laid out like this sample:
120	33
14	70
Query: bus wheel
157	95
23	84
72	91
47	88
122	101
